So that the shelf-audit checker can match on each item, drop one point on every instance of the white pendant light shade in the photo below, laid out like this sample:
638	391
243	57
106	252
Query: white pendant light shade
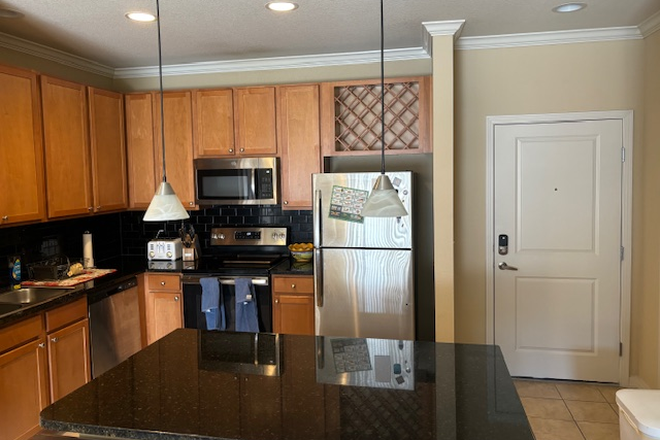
165	206
383	201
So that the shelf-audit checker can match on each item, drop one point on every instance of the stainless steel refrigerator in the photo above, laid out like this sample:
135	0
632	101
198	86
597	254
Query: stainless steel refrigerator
363	267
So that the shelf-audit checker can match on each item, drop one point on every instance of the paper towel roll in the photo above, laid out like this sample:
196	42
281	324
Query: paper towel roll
88	251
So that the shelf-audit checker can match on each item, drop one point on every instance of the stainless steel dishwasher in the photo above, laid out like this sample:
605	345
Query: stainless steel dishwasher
114	322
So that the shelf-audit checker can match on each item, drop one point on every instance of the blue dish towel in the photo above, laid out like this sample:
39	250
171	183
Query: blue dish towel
212	304
246	306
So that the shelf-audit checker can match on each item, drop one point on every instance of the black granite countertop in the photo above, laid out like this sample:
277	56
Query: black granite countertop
209	385
291	267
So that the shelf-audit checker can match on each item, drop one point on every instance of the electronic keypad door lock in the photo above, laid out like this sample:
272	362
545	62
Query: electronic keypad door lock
503	244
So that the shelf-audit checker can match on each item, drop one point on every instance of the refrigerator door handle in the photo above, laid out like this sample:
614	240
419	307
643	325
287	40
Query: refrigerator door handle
316	217
318	276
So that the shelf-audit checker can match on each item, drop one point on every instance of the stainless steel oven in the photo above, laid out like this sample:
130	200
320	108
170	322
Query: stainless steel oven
192	300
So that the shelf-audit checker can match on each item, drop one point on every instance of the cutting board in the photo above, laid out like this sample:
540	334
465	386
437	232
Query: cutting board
87	275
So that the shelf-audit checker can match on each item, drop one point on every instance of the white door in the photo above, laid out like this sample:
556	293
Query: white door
557	199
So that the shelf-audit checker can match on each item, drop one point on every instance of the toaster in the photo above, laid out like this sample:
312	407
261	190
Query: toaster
169	249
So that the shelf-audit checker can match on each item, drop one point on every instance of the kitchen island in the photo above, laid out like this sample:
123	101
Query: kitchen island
260	386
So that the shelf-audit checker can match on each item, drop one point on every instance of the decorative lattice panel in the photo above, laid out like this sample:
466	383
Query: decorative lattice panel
358	111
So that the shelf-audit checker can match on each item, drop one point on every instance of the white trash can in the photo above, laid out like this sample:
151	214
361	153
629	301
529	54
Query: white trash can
639	414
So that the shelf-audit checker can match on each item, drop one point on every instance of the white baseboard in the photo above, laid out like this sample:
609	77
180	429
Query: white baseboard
637	382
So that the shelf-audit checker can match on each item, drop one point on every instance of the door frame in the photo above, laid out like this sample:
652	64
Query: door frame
626	117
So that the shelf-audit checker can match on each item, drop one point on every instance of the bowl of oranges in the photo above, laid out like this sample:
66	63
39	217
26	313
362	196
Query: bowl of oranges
301	252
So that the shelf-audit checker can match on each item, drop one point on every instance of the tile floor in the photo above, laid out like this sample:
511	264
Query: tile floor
570	411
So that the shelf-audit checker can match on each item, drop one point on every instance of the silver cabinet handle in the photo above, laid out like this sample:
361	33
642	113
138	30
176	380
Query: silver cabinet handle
504	266
277	301
90	209
162	283
242	150
42	345
54	339
231	150
293	286
286	202
176	298
5	217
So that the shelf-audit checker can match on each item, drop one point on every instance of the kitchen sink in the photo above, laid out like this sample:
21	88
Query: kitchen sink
29	295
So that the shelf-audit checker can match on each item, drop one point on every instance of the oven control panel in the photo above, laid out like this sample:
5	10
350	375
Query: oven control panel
249	236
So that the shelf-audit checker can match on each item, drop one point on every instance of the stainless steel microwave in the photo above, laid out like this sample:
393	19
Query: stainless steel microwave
244	181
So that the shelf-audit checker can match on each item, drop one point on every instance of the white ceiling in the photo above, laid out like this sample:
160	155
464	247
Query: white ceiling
229	30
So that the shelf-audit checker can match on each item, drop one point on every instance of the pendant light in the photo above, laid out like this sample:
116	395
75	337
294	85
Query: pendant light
165	205
383	201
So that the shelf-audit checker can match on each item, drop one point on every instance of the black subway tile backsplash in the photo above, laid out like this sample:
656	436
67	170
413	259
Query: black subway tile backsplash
126	234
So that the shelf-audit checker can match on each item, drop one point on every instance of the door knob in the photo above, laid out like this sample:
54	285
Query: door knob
504	266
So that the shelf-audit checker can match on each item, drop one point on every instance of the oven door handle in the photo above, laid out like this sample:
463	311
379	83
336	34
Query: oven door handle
225	281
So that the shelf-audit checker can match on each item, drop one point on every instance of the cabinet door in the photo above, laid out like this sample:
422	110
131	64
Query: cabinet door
68	181
106	124
68	357
293	305
214	123
21	150
254	113
178	145
23	390
293	314
299	138
140	141
164	313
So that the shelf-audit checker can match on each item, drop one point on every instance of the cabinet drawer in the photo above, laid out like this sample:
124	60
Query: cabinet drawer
160	282
67	314
20	333
300	285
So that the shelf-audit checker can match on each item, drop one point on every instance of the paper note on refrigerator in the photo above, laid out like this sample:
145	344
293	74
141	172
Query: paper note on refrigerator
346	204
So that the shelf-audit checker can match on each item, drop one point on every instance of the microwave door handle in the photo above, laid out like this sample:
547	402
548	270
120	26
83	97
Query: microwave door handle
253	183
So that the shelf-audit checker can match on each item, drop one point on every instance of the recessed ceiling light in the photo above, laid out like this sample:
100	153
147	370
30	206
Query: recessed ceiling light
10	13
144	17
281	6
569	7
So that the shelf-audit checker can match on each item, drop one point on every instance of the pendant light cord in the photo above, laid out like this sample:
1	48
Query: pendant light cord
160	77
382	90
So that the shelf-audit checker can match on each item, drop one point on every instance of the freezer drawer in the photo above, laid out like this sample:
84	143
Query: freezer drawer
366	293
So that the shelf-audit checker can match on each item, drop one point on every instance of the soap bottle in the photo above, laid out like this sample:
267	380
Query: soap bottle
15	272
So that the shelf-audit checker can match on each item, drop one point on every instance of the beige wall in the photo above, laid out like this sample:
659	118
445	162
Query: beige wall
646	270
544	79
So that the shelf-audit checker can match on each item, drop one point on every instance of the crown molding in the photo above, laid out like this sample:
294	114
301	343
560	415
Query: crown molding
438	28
650	25
58	56
549	38
275	63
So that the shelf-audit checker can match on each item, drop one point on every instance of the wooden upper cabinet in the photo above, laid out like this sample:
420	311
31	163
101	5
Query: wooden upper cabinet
106	124
254	114
21	149
178	145
140	148
68	180
298	132
351	113
214	122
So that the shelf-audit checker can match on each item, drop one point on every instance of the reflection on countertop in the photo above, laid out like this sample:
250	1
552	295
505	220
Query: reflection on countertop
168	390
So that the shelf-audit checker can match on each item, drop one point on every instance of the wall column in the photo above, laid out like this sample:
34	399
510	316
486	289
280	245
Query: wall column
439	42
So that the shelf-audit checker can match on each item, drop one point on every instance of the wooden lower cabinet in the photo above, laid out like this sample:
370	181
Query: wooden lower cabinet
293	304
23	390
68	359
42	358
163	305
